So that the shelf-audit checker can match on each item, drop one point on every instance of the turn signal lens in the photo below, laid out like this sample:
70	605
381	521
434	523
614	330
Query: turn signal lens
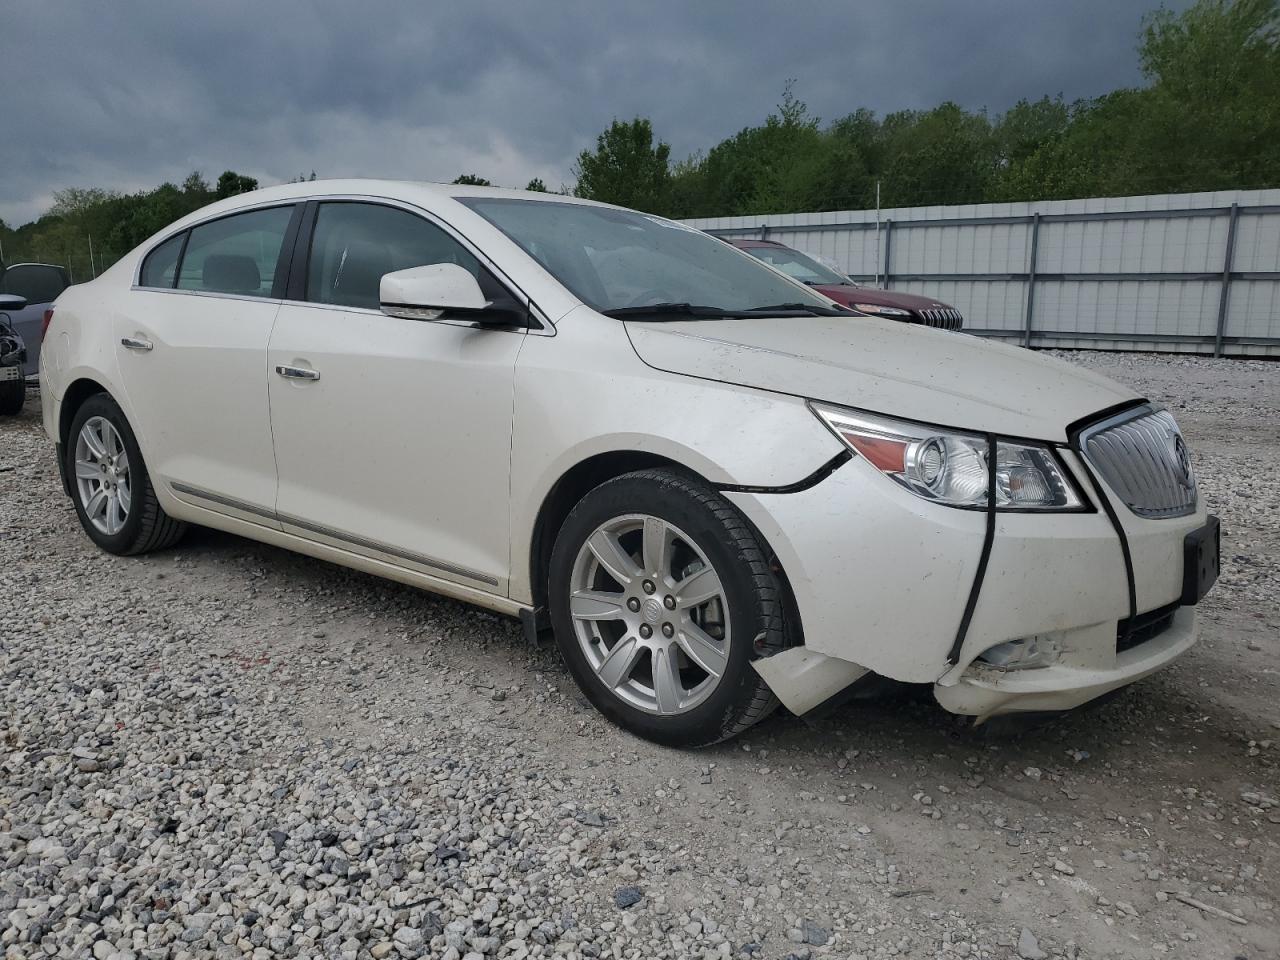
951	467
880	310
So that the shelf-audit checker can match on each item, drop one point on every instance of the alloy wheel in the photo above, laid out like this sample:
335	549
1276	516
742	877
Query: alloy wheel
102	475
650	614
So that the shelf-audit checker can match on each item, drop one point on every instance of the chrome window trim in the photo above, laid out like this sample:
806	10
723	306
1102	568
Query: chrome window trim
446	321
214	294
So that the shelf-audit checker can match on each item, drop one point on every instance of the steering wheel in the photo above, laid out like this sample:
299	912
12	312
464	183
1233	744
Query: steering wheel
645	297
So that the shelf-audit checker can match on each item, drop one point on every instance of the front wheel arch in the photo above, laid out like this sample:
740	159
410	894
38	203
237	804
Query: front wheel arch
568	491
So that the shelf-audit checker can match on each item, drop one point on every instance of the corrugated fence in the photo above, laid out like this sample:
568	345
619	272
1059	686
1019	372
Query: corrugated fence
1192	272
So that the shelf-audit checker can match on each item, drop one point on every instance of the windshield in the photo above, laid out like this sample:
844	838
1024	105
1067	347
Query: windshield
615	259
798	265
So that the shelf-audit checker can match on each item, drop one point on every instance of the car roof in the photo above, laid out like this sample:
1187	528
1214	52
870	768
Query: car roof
392	189
422	192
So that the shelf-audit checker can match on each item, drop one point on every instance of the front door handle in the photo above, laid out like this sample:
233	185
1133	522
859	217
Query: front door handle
296	373
136	343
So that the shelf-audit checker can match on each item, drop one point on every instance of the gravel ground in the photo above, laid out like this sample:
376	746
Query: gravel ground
227	750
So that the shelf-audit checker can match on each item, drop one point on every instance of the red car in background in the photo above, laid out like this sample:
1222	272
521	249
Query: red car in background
890	304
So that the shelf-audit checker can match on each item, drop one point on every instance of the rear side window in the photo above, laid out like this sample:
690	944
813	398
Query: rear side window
354	244
34	282
161	265
239	254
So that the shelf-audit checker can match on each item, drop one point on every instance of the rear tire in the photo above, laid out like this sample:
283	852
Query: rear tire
645	649
13	394
112	491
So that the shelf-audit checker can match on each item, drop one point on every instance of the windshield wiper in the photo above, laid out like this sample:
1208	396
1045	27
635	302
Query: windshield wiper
672	309
814	309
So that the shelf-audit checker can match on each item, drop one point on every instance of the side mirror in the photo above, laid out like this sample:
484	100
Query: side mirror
11	301
430	292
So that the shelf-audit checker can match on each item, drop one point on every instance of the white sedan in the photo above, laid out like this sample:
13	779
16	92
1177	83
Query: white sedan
718	489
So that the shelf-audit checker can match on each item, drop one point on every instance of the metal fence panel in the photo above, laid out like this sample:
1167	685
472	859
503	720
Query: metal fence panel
1195	272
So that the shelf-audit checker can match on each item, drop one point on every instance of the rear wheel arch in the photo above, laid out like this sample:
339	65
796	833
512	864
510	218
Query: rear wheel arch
72	399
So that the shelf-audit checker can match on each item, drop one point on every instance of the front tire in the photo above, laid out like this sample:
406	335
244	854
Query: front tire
661	595
110	486
13	394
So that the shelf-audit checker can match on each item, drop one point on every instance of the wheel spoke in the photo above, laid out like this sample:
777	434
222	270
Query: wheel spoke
88	471
667	687
93	442
595	605
96	503
122	491
620	661
112	515
701	649
122	463
697	588
109	442
616	561
657	537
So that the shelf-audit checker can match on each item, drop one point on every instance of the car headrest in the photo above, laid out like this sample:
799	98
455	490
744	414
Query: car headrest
231	273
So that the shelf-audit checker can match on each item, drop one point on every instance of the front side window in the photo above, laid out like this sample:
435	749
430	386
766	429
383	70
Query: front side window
617	259
355	244
161	265
238	254
34	282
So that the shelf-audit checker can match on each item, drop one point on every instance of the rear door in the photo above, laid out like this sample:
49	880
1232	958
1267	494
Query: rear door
193	354
399	448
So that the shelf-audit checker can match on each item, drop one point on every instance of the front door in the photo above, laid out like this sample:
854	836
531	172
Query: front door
193	357
392	436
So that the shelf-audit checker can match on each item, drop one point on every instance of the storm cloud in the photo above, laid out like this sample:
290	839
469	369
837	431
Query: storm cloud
125	95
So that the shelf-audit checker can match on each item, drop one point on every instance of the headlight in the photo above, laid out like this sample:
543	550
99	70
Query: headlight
952	468
881	310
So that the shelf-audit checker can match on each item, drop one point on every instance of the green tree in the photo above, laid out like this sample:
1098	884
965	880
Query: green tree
471	180
231	183
627	167
1212	113
536	185
943	155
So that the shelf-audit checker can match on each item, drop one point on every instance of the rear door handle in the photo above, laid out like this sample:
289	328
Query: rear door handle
296	373
135	343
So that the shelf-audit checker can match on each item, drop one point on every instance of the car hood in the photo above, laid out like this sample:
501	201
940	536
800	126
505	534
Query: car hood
848	294
896	369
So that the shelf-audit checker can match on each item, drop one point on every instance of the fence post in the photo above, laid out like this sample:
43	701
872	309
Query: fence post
888	251
764	231
1031	279
1225	293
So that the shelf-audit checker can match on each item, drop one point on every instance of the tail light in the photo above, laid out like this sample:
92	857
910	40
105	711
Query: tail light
44	326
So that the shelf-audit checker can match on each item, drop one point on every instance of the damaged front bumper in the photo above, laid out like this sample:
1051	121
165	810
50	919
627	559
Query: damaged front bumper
881	579
1089	667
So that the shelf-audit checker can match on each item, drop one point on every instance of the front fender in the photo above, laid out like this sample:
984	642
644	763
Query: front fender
585	392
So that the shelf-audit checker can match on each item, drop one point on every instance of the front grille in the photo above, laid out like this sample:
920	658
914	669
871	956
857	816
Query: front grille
1143	458
1133	631
943	318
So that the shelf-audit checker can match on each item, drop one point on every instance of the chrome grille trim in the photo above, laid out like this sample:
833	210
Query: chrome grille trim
1141	455
944	318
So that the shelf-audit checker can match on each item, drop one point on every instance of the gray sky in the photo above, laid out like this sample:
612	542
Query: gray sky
127	94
